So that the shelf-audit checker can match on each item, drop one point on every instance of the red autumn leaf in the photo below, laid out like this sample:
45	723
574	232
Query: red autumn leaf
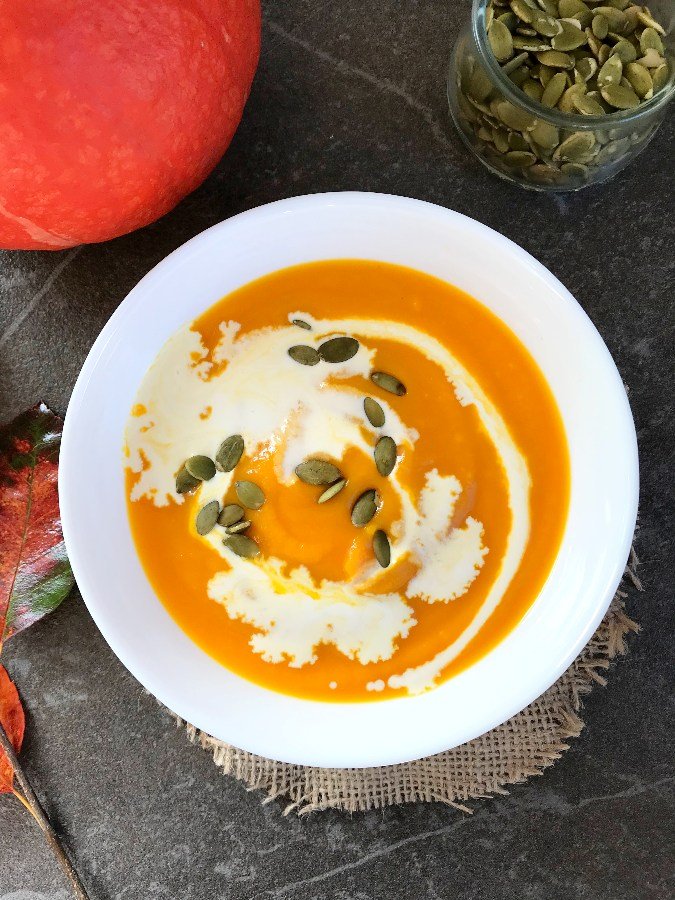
14	722
35	575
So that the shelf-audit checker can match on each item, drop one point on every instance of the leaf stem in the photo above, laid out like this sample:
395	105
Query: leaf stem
31	802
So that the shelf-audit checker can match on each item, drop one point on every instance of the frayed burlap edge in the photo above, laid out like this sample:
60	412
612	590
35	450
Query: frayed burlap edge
524	746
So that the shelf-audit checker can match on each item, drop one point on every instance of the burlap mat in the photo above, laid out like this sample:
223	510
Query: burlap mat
520	748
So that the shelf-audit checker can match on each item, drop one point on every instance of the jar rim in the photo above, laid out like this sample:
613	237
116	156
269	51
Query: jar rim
570	121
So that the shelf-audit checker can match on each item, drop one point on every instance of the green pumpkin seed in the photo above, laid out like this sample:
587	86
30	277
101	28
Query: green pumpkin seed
207	517
242	545
545	135
532	45
388	383
554	89
365	508
616	19
332	491
620	97
556	59
546	25
514	63
600	27
385	451
300	323
649	39
501	139
244	525
381	548
566	102
479	86
574	170
586	67
647	20
660	78
500	40
230	514
229	453
513	117
185	482
652	59
506	18
201	467
549	6
534	91
339	349
570	38
610	72
519	159
374	412
523	10
250	494
625	51
306	356
569	8
317	471
587	106
575	146
639	78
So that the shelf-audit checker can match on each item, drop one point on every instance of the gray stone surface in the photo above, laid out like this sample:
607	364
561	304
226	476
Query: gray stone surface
351	96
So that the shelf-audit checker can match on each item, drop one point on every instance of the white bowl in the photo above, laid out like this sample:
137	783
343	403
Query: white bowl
596	542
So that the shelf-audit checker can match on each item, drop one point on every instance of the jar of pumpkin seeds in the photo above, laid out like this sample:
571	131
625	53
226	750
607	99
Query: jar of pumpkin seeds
560	94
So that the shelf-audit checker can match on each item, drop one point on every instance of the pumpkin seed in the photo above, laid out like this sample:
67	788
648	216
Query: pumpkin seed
385	450
586	67
317	471
523	10
587	106
660	78
647	20
620	97
545	135
569	38
229	453
479	86
574	170
625	51
533	90
616	19
382	548
332	491
374	412
201	467
546	25
185	482
207	517
610	72
556	59
513	117
500	40
301	324
514	63
639	78
519	159
230	514
652	59
339	349
650	40
388	383
306	356
365	508
242	545
250	494
238	526
575	146
554	89
600	27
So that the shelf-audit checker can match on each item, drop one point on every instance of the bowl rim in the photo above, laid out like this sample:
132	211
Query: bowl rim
288	749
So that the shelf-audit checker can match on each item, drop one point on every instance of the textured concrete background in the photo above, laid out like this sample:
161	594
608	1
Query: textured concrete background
351	96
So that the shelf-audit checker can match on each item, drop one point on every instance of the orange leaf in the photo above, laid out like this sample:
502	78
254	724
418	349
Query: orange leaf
14	722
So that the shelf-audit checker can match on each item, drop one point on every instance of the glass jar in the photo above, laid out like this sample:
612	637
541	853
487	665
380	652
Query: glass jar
536	146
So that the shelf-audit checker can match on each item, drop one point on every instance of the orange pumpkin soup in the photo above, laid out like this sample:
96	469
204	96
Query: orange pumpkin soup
398	455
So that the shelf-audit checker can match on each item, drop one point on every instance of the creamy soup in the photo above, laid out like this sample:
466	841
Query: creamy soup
347	480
